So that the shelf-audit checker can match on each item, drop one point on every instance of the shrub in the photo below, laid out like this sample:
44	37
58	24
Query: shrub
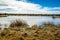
18	23
48	24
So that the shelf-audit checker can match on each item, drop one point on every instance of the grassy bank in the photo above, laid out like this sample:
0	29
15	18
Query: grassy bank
19	30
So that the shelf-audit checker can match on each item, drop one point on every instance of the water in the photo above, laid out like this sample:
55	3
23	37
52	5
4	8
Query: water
31	20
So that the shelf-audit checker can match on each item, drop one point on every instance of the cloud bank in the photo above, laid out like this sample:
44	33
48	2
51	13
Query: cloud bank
23	6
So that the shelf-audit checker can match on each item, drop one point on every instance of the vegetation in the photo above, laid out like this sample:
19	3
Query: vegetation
19	30
18	23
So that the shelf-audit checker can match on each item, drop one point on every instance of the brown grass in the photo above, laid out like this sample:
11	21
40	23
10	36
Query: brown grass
48	32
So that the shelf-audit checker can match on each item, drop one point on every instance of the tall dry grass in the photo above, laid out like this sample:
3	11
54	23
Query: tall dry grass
19	30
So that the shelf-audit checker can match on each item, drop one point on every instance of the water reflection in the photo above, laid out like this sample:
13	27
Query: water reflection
31	20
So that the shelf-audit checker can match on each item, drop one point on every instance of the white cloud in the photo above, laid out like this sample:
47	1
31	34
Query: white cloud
23	6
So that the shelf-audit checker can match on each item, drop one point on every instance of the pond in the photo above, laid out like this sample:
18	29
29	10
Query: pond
31	20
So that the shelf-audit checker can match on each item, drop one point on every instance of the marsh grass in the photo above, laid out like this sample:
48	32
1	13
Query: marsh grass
18	23
18	30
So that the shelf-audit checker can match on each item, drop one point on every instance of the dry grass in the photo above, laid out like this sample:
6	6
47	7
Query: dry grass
18	23
48	32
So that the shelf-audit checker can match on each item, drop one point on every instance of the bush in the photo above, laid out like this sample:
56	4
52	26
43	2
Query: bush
18	23
48	24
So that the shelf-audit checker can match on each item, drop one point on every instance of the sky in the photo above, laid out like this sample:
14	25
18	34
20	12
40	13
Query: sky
30	6
47	3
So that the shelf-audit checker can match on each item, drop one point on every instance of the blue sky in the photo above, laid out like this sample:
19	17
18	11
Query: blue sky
30	6
47	3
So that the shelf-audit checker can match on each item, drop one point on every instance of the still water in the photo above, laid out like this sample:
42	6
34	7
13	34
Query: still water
31	20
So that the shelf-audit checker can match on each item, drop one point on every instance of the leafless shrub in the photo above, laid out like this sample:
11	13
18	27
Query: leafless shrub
48	24
18	23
